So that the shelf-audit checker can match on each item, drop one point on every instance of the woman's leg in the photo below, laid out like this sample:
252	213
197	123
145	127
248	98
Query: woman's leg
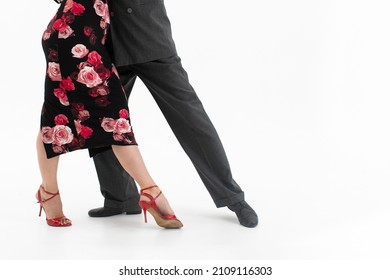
131	160
48	168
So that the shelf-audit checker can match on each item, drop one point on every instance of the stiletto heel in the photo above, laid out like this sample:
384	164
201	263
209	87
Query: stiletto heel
165	221
40	210
144	210
55	222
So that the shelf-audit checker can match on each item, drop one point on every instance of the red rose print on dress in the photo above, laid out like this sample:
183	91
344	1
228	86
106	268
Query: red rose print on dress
59	136
65	33
61	119
62	135
60	24
64	30
124	114
88	31
79	51
53	71
79	112
100	90
74	7
94	74
89	77
82	130
67	84
78	106
103	72
77	9
121	128
68	5
49	30
53	55
108	124
81	115
86	132
46	34
102	101
102	10
60	93
69	18
95	59
47	135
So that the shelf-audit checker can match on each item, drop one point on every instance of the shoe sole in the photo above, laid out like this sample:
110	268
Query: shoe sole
103	215
168	224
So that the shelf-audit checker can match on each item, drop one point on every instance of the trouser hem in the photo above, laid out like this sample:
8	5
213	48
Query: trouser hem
229	200
122	205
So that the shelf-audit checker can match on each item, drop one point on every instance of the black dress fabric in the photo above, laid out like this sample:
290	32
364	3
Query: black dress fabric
84	105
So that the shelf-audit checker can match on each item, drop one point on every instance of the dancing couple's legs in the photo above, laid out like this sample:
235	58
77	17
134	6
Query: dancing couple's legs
169	85
130	159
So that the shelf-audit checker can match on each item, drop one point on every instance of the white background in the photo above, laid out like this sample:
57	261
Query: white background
299	93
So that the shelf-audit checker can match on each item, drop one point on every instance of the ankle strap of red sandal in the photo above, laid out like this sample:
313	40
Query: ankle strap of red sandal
151	187
148	195
53	195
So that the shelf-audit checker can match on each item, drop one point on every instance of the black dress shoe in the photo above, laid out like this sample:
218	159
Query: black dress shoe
245	214
107	212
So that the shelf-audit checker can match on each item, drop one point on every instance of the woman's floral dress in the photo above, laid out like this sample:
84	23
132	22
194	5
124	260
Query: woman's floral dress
85	105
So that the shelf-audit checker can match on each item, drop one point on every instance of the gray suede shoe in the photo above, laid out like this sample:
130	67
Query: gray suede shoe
245	214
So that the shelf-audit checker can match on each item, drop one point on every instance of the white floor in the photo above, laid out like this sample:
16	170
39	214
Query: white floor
311	206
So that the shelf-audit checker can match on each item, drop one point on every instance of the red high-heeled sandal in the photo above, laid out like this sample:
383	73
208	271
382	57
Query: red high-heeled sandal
55	222
165	221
